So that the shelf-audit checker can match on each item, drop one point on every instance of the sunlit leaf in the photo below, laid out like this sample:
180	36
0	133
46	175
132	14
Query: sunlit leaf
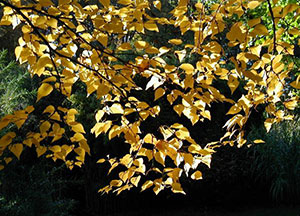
44	90
147	185
196	175
253	4
151	26
258	141
105	3
116	109
189	69
158	93
175	41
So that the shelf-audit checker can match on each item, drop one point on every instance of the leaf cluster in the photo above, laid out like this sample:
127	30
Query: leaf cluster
113	49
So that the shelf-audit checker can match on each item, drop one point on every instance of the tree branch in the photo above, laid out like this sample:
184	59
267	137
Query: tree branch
274	26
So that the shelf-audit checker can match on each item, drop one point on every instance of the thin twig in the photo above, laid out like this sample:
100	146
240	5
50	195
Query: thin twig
274	26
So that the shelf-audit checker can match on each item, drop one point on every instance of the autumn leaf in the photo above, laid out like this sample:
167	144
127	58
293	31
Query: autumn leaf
159	93
105	3
197	175
16	149
44	90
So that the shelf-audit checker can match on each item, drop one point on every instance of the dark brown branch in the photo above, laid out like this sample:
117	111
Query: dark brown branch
274	26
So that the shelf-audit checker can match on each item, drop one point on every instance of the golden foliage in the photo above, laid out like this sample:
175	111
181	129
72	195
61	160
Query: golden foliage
67	42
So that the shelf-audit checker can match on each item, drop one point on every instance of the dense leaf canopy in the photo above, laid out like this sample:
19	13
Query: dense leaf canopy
236	52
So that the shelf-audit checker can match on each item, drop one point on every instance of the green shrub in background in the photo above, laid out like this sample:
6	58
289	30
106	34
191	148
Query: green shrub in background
17	89
277	161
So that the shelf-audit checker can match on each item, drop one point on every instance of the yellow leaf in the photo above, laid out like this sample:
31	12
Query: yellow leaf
40	20
188	158
157	188
175	41
29	109
189	69
157	4
102	90
258	141
77	127
116	109
147	185
44	90
55	116
260	29
151	26
55	148
52	23
180	54
44	61
103	39
289	8
135	180
295	84
163	50
46	3
116	183
233	83
114	131
253	4
41	150
53	11
183	133
160	158
113	166
18	51
206	114
149	138
234	110
268	124
253	22
276	61
159	93
149	154
49	109
105	3
124	47
197	175
80	28
126	160
7	160
176	188
194	148
125	2
102	160
152	50
64	2
84	145
206	160
141	44
291	105
16	149
5	121
26	29
178	109
98	128
44	127
77	137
